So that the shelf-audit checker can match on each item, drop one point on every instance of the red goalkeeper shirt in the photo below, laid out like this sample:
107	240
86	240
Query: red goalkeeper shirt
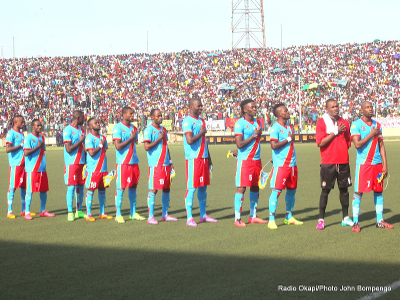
336	152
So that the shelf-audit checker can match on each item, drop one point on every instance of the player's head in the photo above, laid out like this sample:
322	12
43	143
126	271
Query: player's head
195	106
281	111
18	122
79	116
248	107
332	108
367	109
36	126
127	114
94	124
156	116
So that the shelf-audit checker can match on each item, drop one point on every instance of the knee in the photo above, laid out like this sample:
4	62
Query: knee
325	193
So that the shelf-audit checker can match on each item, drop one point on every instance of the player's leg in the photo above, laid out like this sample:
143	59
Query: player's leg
378	198
70	192
240	179
102	205
11	191
165	206
43	189
290	197
135	173
277	184
204	172
189	194
119	193
344	181
254	193
150	204
327	176
89	201
28	197
356	210
23	195
362	184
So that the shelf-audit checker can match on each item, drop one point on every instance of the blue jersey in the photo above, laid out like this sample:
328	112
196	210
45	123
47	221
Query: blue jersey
36	162
286	155
369	154
72	135
158	155
198	149
127	155
246	129
15	158
96	162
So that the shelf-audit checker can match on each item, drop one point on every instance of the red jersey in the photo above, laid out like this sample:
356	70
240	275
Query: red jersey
336	152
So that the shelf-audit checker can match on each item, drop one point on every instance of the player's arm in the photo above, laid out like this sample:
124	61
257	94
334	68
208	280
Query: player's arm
329	138
193	139
359	143
384	161
28	151
92	151
170	160
121	145
275	144
148	145
240	143
71	148
209	159
9	148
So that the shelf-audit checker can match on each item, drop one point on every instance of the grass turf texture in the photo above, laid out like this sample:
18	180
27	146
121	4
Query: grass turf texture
52	258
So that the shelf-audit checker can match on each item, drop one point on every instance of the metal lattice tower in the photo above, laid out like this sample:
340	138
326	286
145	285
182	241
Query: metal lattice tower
248	23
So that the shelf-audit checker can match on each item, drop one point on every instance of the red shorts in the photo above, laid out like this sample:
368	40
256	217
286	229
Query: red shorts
16	178
159	178
94	180
248	172
197	173
127	176
73	175
284	177
366	178
36	182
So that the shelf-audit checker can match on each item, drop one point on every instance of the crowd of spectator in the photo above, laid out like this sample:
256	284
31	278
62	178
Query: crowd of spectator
50	88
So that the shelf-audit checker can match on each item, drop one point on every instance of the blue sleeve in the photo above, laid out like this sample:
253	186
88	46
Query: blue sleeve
239	129
27	143
89	142
274	133
117	134
146	135
67	135
187	126
10	138
354	130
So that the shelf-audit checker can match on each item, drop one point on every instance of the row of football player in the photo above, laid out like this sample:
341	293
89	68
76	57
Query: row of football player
198	162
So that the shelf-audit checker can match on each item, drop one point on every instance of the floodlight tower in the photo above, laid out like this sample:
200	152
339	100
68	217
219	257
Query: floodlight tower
248	23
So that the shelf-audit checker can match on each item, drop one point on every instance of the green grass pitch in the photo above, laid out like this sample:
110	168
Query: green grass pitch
55	259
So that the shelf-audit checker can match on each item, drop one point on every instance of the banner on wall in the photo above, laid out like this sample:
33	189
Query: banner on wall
215	125
388	122
167	124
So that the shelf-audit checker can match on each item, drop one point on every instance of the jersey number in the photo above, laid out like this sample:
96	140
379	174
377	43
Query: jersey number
93	185
250	177
369	183
128	180
284	181
201	179
161	181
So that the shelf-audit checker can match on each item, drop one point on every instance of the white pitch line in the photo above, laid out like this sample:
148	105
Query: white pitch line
376	295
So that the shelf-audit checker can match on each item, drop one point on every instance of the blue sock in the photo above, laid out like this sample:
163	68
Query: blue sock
10	199
79	194
290	200
238	205
253	203
356	207
89	200
43	201
189	202
150	203
28	201
23	194
273	201
118	201
378	201
102	201
70	197
132	200
165	204
202	196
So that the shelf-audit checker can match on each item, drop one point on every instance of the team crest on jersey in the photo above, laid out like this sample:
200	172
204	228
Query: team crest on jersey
324	183
73	132
362	128
34	141
282	131
123	130
154	132
194	124
247	126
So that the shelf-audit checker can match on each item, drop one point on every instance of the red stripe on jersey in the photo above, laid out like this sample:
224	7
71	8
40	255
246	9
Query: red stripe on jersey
39	160
101	160
130	151
371	151
255	146
289	156
203	142
78	155
163	149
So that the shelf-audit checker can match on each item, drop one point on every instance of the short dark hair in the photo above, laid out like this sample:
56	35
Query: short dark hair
276	106
90	120
329	100
243	104
33	121
125	109
193	99
17	117
76	114
153	111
